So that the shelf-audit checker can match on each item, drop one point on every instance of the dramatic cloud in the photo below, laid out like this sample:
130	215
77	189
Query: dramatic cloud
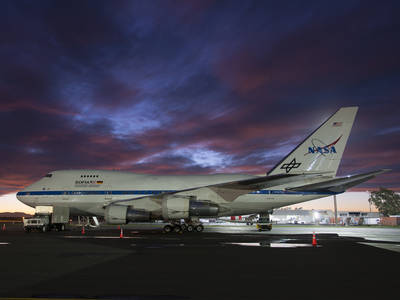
179	87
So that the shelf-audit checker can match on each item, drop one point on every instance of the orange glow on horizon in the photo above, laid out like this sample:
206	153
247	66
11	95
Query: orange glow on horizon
10	203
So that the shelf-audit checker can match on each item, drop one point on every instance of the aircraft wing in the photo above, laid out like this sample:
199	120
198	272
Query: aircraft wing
339	185
229	191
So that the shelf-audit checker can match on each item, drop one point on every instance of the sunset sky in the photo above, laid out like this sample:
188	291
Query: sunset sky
193	87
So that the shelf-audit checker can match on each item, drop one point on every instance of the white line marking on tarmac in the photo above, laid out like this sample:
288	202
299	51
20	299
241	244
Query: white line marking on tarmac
4	243
391	247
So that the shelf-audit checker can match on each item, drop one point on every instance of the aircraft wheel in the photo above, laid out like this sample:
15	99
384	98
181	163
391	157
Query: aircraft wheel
190	228
167	228
44	228
177	228
199	228
183	227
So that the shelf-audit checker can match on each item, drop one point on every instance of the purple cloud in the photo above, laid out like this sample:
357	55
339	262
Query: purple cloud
200	87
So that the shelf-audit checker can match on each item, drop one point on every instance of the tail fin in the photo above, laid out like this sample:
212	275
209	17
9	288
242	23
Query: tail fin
323	149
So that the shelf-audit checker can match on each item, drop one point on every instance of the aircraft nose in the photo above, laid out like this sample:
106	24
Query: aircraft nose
20	196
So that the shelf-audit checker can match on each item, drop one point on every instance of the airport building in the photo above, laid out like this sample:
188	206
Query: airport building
300	216
391	220
359	218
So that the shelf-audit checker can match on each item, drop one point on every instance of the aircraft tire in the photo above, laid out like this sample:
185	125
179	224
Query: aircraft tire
177	229
167	228
199	228
190	228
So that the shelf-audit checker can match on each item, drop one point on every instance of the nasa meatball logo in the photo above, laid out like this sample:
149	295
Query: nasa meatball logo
320	147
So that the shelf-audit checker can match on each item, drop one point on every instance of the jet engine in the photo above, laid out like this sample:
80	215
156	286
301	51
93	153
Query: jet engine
120	214
183	207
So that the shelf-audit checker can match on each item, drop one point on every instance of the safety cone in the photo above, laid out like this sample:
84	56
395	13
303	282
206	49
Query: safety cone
121	234
314	240
83	229
4	227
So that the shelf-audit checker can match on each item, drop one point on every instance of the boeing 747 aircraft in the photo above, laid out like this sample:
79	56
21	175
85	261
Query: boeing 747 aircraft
306	173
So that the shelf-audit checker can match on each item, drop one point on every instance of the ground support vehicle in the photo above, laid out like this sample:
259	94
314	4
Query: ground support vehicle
264	224
47	218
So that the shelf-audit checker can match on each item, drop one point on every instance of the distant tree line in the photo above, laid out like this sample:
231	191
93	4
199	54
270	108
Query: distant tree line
386	201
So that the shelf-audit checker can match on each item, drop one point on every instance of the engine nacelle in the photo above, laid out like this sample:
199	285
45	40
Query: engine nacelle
175	208
203	209
183	207
121	214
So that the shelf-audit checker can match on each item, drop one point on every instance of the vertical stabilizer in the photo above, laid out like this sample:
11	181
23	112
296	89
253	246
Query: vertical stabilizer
323	149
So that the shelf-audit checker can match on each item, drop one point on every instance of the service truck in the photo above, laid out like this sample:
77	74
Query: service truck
47	218
264	223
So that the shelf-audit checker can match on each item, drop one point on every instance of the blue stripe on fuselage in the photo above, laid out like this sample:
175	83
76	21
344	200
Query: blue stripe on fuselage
155	192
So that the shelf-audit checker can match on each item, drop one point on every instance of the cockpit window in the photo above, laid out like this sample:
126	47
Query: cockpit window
48	175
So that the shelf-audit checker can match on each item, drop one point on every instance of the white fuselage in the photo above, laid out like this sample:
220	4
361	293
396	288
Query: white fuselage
87	192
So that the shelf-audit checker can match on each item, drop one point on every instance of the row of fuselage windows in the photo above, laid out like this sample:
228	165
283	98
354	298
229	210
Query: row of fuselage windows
89	176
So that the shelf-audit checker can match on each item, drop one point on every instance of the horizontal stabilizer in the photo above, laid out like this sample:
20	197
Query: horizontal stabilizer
339	185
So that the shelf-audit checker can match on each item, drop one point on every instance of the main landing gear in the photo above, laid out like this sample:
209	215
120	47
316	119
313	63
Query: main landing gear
187	226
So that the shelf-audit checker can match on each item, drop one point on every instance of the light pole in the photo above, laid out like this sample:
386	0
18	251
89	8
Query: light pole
335	206
369	196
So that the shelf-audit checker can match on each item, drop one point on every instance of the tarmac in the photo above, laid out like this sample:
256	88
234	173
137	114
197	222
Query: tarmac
223	262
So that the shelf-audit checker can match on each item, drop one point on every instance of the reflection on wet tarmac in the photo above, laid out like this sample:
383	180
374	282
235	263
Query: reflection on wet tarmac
100	237
284	245
272	245
246	244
